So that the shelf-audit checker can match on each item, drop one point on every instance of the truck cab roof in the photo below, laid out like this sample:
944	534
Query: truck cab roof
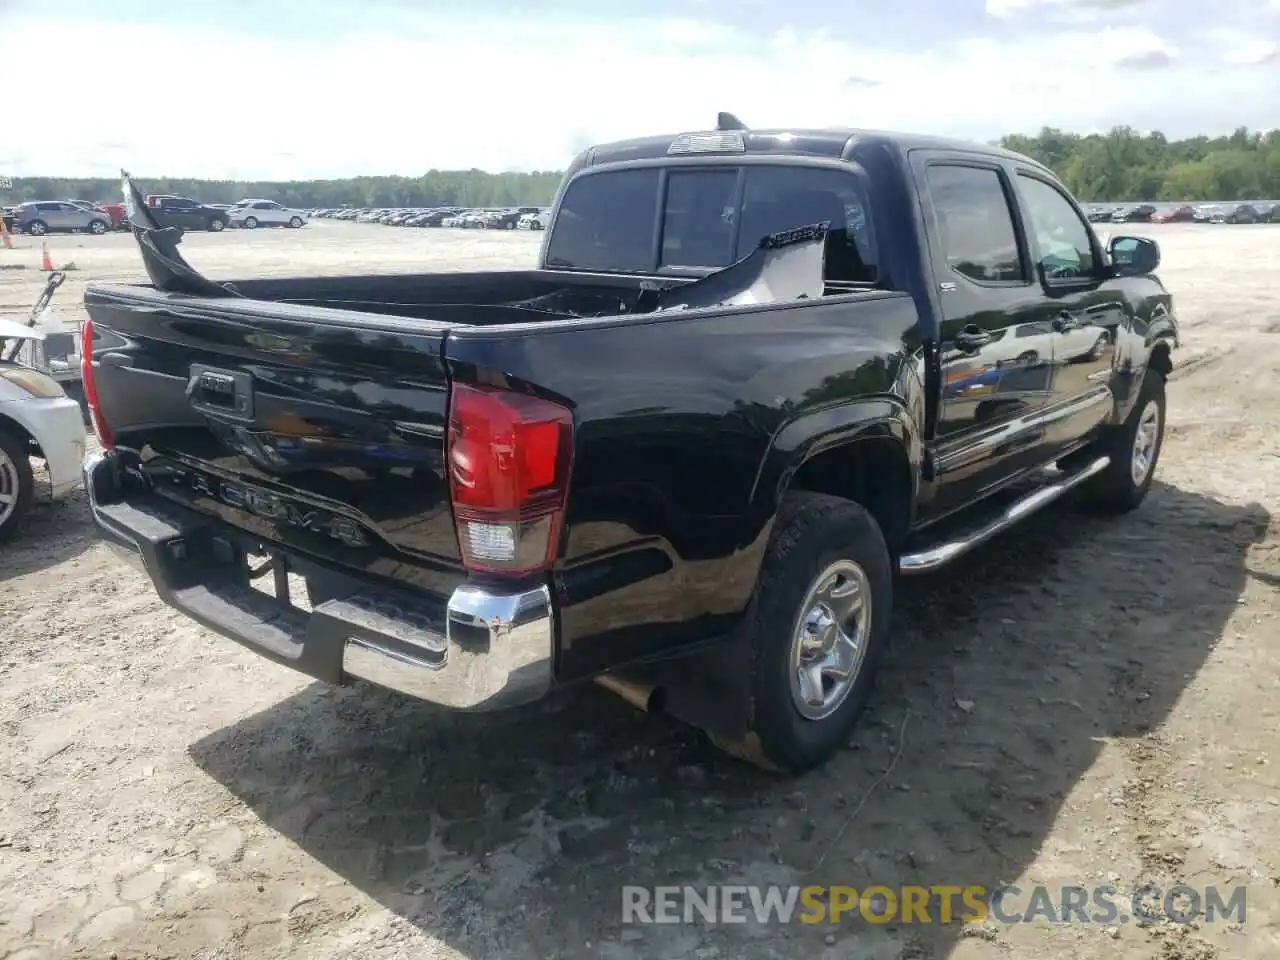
827	142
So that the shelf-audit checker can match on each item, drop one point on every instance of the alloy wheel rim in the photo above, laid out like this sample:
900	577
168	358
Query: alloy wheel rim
1144	443
9	489
829	640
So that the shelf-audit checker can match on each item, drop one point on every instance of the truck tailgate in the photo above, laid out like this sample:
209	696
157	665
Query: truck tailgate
315	428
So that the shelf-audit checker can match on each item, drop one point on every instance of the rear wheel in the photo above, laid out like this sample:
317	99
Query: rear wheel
98	227
17	487
37	228
251	223
216	225
818	633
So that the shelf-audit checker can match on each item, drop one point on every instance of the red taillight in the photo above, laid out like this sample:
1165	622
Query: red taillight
90	385
508	460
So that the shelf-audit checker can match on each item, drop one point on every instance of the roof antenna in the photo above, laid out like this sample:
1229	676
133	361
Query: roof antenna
727	121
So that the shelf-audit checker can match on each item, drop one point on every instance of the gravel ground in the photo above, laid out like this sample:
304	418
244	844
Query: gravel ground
1087	702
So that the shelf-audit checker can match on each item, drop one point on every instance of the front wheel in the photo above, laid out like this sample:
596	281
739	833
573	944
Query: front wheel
818	632
98	227
37	228
295	222
251	223
17	487
216	225
1134	449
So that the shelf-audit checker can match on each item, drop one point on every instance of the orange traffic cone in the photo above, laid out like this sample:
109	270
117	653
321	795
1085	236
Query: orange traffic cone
46	262
4	236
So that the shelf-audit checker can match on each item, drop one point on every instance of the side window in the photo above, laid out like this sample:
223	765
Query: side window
1061	239
975	225
606	222
49	207
782	198
699	218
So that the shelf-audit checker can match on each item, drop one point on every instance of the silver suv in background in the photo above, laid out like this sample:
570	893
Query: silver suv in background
41	216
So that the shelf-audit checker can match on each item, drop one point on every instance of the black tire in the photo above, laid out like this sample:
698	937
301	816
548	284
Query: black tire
37	228
15	461
251	223
98	227
813	533
1115	490
216	225
296	222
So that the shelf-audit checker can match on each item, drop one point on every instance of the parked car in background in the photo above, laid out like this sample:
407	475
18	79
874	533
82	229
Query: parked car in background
1183	214
1099	214
437	218
1204	213
115	211
535	221
43	216
251	214
501	219
1269	213
1239	213
38	419
171	211
1142	213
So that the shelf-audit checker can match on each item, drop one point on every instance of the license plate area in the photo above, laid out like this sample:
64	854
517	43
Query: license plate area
270	574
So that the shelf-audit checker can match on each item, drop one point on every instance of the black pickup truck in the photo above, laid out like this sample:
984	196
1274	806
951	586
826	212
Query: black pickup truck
756	376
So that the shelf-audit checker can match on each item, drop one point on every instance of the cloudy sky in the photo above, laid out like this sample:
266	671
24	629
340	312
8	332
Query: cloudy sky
314	88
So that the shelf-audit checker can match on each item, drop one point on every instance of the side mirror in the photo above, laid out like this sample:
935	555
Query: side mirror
1133	256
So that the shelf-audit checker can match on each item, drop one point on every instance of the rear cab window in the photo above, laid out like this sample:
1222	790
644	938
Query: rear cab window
680	219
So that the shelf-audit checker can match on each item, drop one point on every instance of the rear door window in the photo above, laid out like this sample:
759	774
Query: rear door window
975	223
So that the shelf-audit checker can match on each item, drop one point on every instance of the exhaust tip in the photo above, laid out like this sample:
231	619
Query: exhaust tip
642	696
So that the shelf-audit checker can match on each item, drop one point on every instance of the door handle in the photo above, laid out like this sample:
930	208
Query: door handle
1065	321
971	338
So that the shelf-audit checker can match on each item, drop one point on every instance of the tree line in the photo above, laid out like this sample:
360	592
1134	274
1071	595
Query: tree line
1121	165
1125	164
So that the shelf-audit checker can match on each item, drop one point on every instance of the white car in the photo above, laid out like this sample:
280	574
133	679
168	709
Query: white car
251	214
38	419
535	221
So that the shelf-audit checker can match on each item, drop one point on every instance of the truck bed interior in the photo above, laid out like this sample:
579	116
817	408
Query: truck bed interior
472	299
788	265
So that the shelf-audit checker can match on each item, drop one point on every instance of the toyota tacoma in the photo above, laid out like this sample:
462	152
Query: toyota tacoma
755	377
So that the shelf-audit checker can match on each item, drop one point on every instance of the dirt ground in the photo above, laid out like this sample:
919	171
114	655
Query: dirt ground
1087	702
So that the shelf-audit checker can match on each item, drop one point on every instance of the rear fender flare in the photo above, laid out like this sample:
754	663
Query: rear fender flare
819	431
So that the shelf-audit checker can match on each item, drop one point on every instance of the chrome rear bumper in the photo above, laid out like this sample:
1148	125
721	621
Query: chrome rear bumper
482	649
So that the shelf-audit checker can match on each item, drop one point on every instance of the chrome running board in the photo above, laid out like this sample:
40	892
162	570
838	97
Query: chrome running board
924	561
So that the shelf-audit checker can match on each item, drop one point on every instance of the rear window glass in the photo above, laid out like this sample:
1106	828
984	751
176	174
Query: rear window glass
708	218
606	223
